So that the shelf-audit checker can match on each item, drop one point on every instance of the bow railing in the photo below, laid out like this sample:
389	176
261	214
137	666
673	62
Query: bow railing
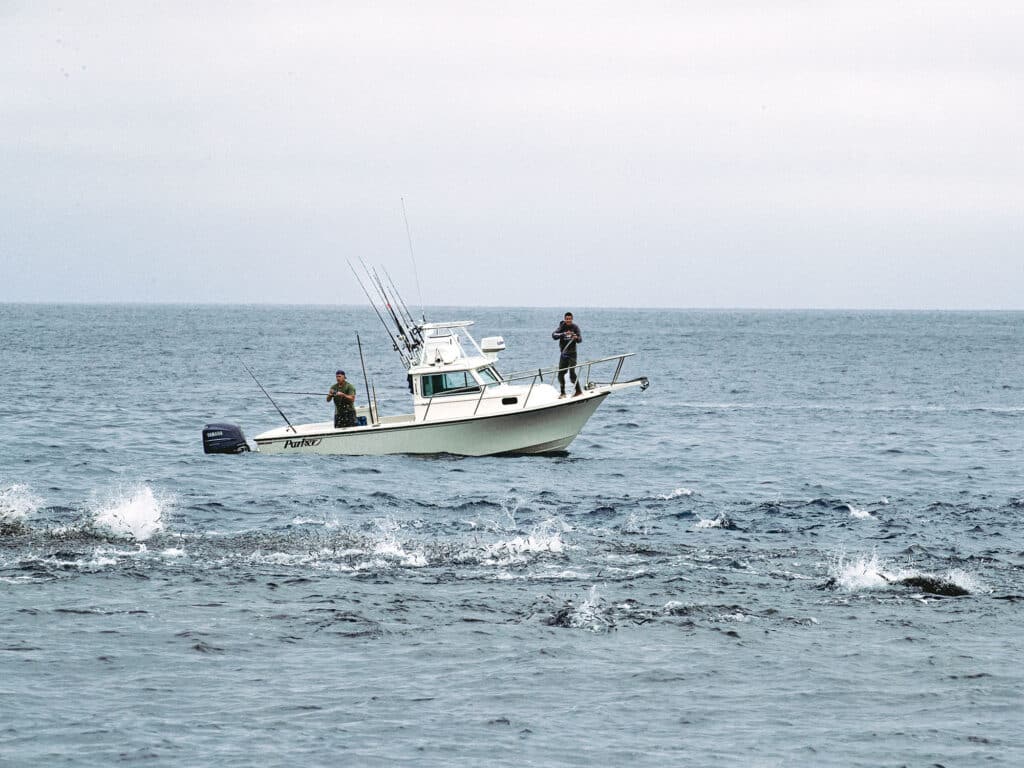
538	376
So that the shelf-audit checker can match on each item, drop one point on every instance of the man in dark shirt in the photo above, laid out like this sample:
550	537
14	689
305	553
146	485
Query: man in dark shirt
344	396
568	335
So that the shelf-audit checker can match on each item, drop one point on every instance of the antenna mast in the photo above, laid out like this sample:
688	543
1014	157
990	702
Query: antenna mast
412	256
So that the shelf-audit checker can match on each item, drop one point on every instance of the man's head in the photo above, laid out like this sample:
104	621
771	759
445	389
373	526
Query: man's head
340	375
568	317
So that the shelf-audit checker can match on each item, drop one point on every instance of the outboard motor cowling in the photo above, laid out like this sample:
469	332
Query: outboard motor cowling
224	438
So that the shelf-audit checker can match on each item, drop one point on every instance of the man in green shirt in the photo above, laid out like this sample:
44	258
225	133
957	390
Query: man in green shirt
344	396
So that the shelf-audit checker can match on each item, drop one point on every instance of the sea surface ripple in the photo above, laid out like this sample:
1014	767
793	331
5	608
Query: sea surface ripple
801	546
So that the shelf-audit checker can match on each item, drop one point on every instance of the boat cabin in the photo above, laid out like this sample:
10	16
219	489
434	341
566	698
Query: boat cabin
454	377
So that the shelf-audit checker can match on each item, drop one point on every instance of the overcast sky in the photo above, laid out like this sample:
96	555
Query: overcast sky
677	154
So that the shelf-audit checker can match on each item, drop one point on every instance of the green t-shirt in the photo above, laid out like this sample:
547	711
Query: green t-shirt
342	404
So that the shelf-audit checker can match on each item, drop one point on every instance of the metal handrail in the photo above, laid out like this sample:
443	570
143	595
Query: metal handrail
555	369
533	376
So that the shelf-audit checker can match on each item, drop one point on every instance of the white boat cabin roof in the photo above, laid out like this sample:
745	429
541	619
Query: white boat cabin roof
443	349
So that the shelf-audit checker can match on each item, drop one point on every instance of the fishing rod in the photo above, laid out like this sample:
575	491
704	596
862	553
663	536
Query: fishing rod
563	353
402	334
417	334
410	322
380	317
267	394
374	280
412	256
366	380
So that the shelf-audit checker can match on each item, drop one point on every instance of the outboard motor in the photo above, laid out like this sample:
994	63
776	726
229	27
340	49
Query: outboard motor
224	438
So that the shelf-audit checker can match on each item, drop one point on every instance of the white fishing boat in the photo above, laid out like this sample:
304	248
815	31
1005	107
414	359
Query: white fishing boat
461	403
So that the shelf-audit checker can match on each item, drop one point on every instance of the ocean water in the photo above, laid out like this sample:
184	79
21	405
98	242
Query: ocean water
801	546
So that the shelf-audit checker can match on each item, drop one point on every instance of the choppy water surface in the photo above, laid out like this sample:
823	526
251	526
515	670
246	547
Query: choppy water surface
801	546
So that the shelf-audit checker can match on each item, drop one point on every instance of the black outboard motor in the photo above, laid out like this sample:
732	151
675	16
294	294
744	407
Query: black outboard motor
224	438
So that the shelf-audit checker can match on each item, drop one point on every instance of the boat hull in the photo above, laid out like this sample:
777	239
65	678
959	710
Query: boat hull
546	429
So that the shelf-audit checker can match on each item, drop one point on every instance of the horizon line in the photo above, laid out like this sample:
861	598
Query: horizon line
651	308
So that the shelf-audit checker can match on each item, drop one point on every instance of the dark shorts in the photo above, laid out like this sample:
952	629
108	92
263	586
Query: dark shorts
344	419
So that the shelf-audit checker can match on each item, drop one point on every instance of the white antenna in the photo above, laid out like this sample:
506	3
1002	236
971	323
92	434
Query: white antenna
412	256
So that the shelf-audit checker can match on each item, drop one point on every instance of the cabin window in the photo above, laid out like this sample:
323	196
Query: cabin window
488	376
451	383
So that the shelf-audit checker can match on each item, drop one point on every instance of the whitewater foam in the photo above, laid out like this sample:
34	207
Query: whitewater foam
965	580
866	572
869	572
17	502
676	494
543	538
135	515
592	614
859	514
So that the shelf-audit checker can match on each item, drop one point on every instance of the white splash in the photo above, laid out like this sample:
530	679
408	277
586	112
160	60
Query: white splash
637	522
136	515
860	514
965	580
316	521
676	494
717	522
510	506
98	559
522	545
868	572
591	614
545	537
391	549
17	502
737	616
388	548
863	573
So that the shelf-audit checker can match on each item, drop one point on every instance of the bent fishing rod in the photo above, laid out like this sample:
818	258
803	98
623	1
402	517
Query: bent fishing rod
267	394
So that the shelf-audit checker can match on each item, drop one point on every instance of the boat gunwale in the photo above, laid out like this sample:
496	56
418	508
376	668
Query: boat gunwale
586	396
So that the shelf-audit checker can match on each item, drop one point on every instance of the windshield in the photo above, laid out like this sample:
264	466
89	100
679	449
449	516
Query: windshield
452	383
488	376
